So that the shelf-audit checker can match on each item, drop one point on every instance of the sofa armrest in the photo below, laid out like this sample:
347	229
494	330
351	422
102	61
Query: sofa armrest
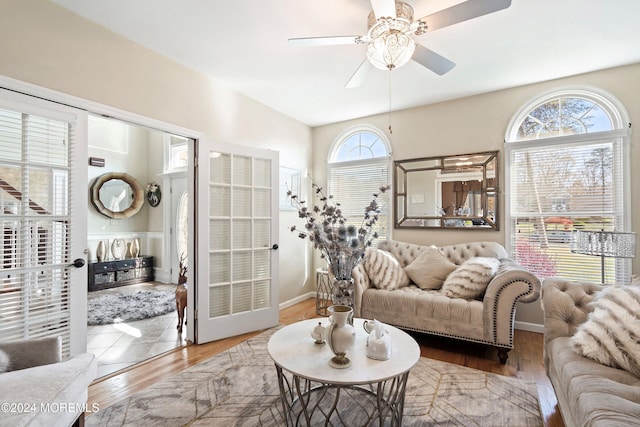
33	352
565	305
361	283
512	283
57	392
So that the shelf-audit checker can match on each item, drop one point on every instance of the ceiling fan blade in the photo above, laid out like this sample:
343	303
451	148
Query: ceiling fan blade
325	41
361	73
463	12
384	8
431	60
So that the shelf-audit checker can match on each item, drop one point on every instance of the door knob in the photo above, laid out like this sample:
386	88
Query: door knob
77	263
274	247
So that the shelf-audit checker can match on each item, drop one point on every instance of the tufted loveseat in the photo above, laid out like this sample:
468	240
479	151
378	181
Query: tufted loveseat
489	320
589	394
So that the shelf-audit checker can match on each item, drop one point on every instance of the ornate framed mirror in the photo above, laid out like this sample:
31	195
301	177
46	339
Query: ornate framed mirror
117	195
450	192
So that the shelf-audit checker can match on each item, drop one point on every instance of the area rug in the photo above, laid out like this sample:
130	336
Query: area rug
122	307
239	388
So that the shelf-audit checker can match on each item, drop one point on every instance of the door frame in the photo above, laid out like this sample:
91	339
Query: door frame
90	107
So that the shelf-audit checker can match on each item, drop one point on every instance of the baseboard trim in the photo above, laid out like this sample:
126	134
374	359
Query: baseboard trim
297	299
531	327
161	275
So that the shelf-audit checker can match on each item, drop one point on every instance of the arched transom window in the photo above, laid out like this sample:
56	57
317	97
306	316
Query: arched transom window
565	115
359	144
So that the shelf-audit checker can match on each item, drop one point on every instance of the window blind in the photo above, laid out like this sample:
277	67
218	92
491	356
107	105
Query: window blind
558	189
352	184
239	234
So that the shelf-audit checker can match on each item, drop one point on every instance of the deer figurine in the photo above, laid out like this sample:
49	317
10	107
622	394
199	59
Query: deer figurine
181	293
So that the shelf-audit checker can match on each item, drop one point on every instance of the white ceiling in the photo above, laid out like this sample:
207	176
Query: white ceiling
244	44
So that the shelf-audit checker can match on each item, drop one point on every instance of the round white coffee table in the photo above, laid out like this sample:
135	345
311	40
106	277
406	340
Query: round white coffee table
311	390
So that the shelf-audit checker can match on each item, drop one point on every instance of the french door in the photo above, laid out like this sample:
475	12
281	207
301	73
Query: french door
236	224
43	203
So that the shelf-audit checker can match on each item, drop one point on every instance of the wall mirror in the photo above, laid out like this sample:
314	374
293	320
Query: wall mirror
450	192
117	195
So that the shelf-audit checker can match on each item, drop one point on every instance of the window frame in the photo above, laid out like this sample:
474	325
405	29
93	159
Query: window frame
621	131
381	161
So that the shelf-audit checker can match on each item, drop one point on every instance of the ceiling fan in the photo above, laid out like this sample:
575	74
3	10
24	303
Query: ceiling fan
390	42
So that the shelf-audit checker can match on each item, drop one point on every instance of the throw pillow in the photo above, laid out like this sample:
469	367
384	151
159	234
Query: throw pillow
4	362
430	268
384	270
470	279
611	334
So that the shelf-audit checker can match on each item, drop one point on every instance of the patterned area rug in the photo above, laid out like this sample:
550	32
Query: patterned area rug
239	387
124	307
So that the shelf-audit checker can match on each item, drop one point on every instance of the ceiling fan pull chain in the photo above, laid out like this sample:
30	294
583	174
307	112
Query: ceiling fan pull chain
389	117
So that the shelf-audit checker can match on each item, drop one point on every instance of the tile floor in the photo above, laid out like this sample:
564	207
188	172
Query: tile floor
121	345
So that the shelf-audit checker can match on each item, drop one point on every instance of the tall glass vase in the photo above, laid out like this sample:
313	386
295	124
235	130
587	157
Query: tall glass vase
341	264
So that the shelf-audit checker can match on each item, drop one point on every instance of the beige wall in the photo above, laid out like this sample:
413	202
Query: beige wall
53	48
48	46
479	123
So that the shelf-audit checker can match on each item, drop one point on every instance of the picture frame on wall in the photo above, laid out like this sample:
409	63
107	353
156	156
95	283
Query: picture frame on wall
289	181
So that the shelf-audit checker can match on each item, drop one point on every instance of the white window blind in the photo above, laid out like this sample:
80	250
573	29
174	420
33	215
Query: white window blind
556	189
34	212
352	184
239	240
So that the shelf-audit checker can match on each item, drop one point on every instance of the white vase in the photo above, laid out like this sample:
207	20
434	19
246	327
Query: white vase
101	251
135	248
118	248
341	335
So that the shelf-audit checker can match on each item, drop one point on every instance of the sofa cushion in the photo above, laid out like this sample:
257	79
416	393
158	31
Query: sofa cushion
470	279
430	268
4	362
32	352
611	334
425	310
384	271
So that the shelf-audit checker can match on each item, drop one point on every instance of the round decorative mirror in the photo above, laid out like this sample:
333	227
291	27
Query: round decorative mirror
117	195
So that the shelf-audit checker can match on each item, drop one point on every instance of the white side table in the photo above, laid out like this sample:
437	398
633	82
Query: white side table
314	393
323	292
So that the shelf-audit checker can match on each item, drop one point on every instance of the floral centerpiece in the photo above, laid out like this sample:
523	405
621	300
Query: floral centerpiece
343	245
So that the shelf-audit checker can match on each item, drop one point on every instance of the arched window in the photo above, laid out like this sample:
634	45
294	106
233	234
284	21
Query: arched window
358	164
567	171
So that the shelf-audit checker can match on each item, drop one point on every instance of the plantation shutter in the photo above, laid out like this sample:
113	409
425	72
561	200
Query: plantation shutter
352	184
557	188
35	178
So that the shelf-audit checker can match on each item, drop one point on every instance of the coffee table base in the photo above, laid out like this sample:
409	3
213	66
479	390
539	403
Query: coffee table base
307	402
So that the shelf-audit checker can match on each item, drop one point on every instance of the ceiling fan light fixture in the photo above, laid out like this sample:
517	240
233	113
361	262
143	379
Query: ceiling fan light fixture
390	50
391	44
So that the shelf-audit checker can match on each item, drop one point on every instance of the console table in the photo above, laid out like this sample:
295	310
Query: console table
111	274
370	392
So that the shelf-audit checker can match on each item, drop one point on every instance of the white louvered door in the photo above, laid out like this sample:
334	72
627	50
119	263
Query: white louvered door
43	204
237	222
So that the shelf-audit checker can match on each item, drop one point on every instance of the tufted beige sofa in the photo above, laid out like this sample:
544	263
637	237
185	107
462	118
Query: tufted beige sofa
487	321
589	394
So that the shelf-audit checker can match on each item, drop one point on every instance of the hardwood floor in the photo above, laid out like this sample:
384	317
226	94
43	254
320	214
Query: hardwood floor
525	362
